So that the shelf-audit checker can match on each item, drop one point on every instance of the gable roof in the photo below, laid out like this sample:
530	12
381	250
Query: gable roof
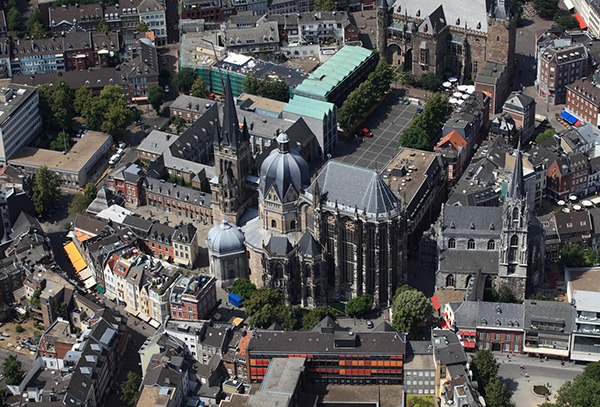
454	140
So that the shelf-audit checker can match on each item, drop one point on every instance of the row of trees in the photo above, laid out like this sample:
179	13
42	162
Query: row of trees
275	89
187	82
485	371
368	94
574	255
425	128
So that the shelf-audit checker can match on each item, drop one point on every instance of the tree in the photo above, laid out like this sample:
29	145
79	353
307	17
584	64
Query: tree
83	199
108	111
314	316
179	124
324	5
406	78
244	288
13	19
545	135
83	100
184	80
410	308
425	127
115	120
546	9
45	98
382	78
583	391
35	298
415	137
504	295
497	395
45	189
565	23
359	305
36	26
431	81
156	97
62	142
103	26
130	388
62	105
485	368
19	329
142	27
573	255
275	89
199	88
13	373
262	298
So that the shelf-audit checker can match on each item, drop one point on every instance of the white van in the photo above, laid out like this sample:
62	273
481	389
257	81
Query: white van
113	160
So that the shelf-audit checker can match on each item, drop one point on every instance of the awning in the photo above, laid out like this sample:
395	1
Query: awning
85	274
89	283
569	117
100	289
75	257
469	344
237	321
82	237
436	303
569	4
579	19
596	200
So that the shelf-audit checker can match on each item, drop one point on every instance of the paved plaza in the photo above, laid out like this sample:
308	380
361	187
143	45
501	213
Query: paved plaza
387	123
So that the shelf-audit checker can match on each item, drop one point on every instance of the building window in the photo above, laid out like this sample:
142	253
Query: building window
514	245
471	244
450	280
273	223
451	243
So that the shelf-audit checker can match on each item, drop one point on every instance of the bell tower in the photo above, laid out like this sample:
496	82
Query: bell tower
383	21
233	162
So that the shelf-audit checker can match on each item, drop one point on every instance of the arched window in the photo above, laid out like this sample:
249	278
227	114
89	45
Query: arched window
515	215
471	244
273	223
451	243
450	280
491	244
293	225
467	281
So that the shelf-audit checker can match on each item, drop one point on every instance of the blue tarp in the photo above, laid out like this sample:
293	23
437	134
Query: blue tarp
569	117
235	299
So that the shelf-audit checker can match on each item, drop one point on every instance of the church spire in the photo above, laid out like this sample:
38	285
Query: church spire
245	132
516	188
231	125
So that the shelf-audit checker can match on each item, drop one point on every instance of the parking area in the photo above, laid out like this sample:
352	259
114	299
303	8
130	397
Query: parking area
387	123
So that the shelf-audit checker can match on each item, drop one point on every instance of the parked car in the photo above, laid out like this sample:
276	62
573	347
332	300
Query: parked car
120	151
167	89
122	145
365	132
369	324
114	159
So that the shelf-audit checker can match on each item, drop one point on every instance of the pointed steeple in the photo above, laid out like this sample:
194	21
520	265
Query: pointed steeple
217	132
245	132
231	125
516	188
383	4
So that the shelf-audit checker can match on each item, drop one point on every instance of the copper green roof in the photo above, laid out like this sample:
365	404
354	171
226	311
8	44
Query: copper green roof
304	106
333	72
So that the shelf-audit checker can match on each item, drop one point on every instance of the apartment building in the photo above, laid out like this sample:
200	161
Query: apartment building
193	297
559	66
20	119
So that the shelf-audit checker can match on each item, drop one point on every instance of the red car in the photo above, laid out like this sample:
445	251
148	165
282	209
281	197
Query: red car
365	133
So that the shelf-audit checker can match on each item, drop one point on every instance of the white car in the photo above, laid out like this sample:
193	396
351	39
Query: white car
113	160
120	151
122	145
167	89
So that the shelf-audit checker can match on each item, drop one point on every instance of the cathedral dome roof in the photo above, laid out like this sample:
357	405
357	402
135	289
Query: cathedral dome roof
225	238
284	169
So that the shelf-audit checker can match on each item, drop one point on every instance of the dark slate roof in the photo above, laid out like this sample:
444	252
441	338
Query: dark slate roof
315	342
308	245
137	223
185	233
89	224
353	187
447	350
573	222
384	327
472	221
24	223
469	261
279	245
550	311
327	325
471	314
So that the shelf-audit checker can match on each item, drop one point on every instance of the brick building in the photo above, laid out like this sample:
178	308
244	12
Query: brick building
568	175
193	297
522	109
557	67
183	201
583	101
127	182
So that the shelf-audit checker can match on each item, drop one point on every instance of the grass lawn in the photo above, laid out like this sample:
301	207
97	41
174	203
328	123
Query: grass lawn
414	400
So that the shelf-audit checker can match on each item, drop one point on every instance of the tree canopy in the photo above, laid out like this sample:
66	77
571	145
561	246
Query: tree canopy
35	25
497	394
410	308
107	112
431	81
142	27
545	135
359	305
275	89
156	97
583	391
425	128
243	287
199	88
83	199
566	22
13	373
485	368
130	388
13	19
62	105
62	142
316	315
546	9
102	26
404	77
184	80
574	255
324	5
45	189
368	94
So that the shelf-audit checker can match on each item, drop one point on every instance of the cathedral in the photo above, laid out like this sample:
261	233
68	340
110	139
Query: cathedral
337	236
446	37
482	247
